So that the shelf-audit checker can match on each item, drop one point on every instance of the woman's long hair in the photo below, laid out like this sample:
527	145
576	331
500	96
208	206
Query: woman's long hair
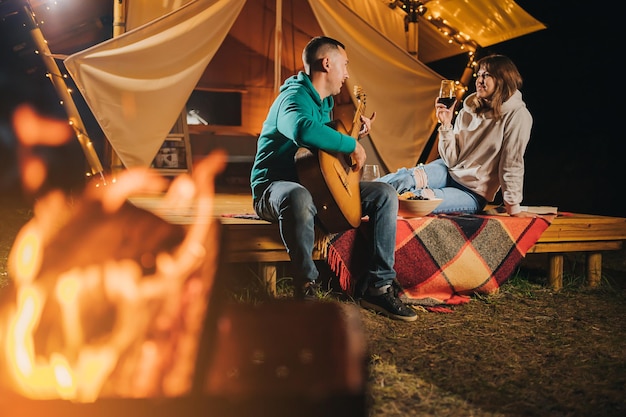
507	78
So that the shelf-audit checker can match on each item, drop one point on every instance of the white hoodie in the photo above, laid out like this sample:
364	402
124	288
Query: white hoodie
485	155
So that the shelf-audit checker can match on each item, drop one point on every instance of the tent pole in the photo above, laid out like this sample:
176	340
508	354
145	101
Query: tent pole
466	77
119	27
430	151
58	81
278	37
119	17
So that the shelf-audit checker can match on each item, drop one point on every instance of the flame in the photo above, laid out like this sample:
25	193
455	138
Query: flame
28	254
28	308
36	377
55	376
150	325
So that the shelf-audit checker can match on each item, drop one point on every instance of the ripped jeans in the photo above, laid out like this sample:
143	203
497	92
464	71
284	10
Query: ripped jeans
456	197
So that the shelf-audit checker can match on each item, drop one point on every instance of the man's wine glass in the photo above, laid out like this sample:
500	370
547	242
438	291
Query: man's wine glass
370	173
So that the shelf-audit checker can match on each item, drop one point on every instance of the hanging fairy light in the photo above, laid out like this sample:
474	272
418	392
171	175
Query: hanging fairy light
64	92
415	9
454	36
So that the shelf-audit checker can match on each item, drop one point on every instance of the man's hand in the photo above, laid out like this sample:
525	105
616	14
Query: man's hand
358	157
366	127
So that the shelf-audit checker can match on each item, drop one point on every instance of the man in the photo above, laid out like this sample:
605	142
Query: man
298	118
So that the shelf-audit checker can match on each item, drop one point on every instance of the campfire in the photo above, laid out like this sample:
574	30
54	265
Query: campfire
107	299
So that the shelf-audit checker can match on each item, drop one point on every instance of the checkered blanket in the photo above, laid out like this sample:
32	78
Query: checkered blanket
442	259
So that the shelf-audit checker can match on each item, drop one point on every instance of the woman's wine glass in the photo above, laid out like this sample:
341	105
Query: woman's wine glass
447	93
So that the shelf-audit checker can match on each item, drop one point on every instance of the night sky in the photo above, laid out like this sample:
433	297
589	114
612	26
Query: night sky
575	158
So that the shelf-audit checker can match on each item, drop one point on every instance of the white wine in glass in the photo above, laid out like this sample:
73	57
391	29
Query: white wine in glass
447	93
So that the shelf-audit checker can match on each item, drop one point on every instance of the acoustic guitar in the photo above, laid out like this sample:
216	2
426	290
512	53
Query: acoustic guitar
331	180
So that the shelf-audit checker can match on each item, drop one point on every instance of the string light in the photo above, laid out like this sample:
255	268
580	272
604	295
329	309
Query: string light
58	81
415	8
453	35
49	75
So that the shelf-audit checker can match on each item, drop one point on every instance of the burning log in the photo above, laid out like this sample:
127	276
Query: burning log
107	299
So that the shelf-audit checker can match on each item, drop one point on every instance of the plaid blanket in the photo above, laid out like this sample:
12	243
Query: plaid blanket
442	259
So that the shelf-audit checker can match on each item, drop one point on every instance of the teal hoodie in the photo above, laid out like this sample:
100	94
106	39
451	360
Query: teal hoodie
298	118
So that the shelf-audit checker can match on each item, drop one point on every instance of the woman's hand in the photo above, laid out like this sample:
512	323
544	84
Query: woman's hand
444	114
526	214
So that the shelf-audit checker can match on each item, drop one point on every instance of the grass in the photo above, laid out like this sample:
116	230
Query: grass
524	351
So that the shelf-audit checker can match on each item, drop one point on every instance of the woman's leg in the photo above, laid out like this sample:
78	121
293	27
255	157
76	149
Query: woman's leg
432	175
436	173
457	199
432	180
402	180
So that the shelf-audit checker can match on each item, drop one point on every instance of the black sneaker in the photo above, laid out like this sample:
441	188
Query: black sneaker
388	304
308	291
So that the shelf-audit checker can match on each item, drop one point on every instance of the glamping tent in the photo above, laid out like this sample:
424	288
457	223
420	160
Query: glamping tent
233	54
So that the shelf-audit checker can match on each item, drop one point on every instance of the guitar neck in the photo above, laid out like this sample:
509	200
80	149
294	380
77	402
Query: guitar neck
356	122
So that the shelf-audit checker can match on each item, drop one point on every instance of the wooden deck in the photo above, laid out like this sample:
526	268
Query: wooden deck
586	233
258	242
247	242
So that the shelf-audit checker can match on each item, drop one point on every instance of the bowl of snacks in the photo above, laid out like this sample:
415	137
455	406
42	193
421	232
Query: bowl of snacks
411	205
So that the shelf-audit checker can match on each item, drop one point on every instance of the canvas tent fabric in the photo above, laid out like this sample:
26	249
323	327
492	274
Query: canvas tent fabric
485	22
402	89
137	84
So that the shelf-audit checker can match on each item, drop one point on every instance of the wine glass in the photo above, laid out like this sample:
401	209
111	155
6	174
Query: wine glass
370	173
447	93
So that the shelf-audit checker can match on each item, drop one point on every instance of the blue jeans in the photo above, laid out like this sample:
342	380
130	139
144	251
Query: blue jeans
291	206
456	198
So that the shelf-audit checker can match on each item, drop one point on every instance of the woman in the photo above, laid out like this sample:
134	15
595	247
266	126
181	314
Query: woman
483	152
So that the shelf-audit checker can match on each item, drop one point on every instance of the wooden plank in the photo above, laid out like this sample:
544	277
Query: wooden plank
550	247
594	269
555	273
567	233
267	272
257	241
264	256
584	227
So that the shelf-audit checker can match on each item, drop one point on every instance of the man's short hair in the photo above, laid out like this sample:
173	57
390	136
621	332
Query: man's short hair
316	46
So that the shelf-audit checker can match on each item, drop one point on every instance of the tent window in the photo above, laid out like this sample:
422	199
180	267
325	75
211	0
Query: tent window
214	108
